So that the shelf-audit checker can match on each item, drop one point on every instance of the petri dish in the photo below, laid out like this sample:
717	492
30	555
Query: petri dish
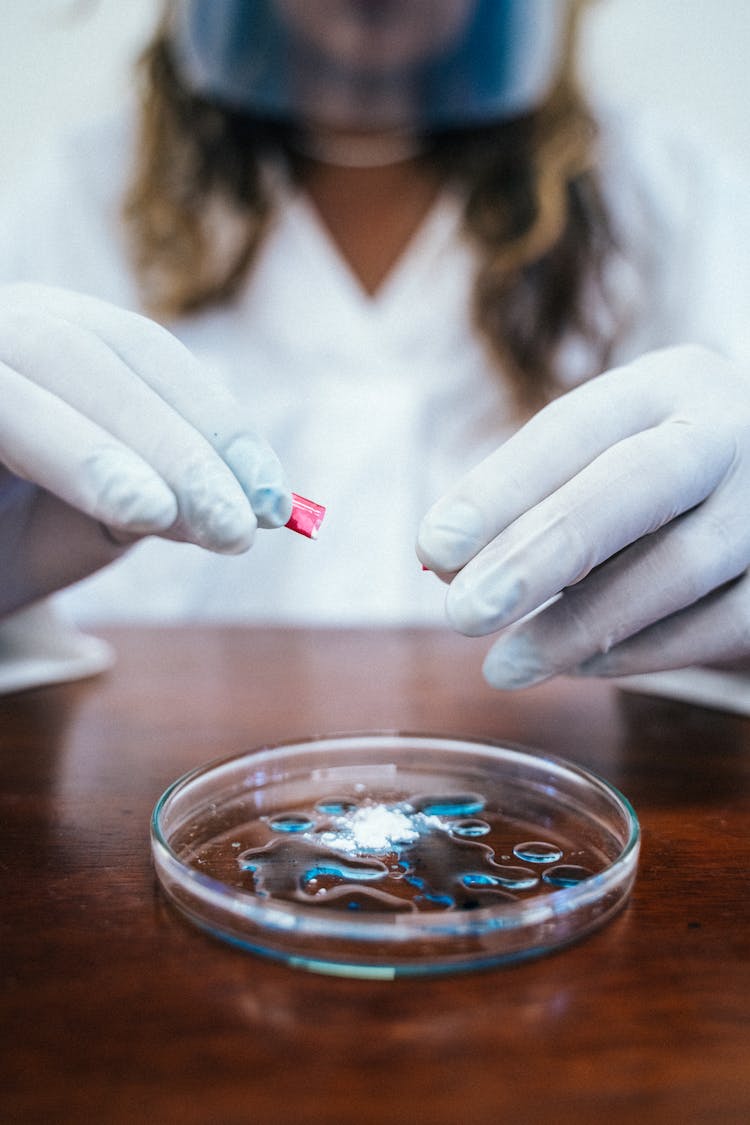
385	854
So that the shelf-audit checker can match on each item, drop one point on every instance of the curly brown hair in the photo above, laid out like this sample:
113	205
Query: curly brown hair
533	207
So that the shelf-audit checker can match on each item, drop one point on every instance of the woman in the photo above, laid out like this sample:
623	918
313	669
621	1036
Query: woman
389	233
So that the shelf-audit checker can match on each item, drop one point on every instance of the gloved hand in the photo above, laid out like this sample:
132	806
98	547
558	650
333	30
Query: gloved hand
630	498
110	430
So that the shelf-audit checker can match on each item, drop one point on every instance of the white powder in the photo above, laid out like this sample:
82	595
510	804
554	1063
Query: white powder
376	828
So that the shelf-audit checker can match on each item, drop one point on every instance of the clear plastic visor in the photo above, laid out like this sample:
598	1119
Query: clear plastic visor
372	64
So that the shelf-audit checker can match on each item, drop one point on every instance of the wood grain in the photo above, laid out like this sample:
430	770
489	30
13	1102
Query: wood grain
115	1010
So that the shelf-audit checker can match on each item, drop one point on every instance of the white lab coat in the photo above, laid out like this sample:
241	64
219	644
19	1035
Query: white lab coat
375	405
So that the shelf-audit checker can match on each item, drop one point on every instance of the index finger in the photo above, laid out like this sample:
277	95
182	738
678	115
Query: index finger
552	448
172	372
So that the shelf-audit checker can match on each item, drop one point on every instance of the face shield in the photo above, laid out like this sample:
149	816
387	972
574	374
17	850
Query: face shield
415	65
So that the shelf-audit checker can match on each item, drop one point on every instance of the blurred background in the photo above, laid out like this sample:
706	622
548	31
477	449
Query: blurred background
63	61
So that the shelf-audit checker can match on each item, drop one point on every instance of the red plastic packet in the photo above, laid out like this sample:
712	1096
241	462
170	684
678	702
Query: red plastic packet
306	517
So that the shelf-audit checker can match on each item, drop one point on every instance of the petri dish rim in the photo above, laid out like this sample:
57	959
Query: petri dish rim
244	908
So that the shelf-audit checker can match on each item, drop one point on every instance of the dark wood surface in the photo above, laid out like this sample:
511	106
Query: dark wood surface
116	1010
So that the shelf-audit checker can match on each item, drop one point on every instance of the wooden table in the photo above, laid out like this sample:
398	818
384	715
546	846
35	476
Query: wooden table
116	1010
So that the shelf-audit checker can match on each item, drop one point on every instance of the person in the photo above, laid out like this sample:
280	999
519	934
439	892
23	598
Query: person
457	301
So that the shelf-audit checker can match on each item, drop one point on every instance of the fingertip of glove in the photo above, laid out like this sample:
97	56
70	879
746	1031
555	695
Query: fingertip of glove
450	535
127	496
515	663
272	505
261	477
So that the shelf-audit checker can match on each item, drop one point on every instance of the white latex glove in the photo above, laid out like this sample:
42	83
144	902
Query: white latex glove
631	495
110	431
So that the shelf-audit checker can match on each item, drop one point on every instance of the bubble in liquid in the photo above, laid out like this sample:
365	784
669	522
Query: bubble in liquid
450	804
335	806
566	875
470	828
340	871
291	822
476	879
537	851
512	878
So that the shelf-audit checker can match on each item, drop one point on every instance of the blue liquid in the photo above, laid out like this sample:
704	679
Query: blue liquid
511	878
536	851
335	806
340	871
566	875
291	822
460	804
471	828
445	859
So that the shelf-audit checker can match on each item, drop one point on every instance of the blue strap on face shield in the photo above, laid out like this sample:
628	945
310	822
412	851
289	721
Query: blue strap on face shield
231	51
504	66
249	56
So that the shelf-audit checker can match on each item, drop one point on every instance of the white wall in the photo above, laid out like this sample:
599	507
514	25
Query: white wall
63	60
687	58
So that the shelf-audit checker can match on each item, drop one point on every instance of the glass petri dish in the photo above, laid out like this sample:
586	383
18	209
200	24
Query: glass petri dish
394	854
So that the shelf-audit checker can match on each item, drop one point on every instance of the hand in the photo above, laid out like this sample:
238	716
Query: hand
629	498
110	431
